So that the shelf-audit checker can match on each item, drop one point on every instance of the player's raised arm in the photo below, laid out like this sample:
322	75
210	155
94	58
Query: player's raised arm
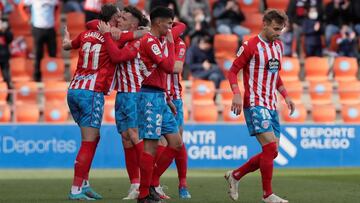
69	44
282	90
168	63
178	29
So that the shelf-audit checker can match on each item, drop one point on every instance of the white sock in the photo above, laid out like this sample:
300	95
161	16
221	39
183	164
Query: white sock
86	183
75	190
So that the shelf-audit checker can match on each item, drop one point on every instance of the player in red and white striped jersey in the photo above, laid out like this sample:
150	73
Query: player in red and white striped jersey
92	79
174	89
174	92
260	58
128	82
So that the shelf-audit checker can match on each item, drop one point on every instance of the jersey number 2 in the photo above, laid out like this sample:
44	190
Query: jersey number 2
95	50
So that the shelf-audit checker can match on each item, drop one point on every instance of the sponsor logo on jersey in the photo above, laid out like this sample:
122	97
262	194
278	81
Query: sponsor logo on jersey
273	65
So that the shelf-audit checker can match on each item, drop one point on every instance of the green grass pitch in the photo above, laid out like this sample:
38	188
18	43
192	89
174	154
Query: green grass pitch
335	185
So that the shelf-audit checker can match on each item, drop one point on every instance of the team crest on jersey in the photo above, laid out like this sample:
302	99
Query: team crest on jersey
241	50
265	124
158	131
273	65
156	50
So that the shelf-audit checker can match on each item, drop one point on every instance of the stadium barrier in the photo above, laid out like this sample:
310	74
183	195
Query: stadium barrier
208	146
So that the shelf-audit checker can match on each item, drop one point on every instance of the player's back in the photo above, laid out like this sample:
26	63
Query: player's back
128	75
95	70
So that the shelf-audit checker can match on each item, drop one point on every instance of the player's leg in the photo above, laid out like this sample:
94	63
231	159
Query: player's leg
89	120
91	149
181	157
126	123
254	121
132	166
159	190
150	120
171	133
270	144
161	147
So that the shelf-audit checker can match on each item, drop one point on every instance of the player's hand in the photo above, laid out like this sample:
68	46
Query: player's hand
66	43
140	32
104	27
290	104
236	105
169	37
172	107
115	33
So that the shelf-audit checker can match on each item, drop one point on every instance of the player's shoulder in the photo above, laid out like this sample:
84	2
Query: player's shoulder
148	39
252	41
248	45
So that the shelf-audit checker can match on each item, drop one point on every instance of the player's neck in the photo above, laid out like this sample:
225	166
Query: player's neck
264	38
155	33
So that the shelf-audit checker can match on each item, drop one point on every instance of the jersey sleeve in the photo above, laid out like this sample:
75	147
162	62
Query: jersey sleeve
75	43
180	51
125	37
242	60
243	57
153	51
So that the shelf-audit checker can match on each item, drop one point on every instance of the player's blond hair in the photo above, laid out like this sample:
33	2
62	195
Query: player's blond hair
277	15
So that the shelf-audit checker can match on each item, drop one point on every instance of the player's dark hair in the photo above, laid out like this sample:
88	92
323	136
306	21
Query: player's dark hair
161	12
277	15
107	12
137	14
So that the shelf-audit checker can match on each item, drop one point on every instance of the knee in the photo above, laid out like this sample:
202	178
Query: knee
134	135
176	144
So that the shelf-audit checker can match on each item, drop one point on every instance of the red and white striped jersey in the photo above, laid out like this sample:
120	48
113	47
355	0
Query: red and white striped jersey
94	71
261	62
174	88
128	74
93	5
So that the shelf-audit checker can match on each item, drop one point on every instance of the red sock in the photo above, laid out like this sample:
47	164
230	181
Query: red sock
86	177
252	165
181	165
146	170
160	149
139	150
83	162
132	166
266	167
162	164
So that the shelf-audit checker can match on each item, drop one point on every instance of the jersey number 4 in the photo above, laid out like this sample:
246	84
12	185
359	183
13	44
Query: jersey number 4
88	49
